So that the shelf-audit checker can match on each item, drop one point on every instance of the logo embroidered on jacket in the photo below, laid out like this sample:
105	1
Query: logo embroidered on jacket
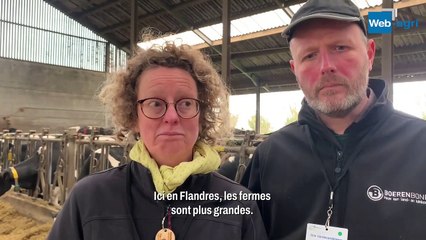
376	193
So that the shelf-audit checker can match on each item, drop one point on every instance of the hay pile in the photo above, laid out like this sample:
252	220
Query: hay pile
14	226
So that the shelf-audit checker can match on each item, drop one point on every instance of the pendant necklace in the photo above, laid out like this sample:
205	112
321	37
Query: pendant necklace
166	233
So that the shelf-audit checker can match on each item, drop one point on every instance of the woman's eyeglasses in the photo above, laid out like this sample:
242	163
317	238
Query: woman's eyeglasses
155	108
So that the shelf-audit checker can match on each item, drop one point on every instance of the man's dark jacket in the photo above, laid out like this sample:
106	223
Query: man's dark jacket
377	171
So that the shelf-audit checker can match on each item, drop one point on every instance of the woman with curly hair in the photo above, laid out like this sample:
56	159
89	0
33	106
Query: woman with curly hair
177	104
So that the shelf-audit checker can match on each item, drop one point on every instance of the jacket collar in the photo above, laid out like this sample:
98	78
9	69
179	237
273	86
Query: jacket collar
379	111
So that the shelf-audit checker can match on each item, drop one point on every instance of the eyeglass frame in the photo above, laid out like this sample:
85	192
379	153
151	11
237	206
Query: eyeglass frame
141	101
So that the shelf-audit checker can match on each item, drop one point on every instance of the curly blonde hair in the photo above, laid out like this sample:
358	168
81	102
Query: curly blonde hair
118	93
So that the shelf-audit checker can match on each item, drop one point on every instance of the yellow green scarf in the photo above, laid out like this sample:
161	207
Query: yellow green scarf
166	179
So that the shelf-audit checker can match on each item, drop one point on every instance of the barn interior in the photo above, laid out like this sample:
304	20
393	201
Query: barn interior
54	55
38	92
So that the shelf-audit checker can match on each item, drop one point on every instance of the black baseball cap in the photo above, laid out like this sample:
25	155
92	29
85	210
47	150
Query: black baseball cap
343	10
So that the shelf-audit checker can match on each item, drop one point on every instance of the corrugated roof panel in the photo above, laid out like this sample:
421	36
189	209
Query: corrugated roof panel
361	3
213	32
201	12
244	25
373	3
282	16
258	22
188	37
255	23
296	7
250	24
274	18
369	3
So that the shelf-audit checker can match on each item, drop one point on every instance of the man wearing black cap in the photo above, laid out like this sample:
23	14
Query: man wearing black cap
352	167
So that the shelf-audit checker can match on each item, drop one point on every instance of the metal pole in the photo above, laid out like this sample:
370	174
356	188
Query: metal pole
226	48
387	55
133	25
107	57
258	108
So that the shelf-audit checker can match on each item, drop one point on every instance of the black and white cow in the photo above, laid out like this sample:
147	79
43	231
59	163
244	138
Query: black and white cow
26	175
115	157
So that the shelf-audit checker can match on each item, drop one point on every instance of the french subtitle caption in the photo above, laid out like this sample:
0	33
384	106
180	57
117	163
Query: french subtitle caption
209	210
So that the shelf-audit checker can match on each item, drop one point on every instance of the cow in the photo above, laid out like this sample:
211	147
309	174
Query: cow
13	151
26	174
233	166
236	157
115	157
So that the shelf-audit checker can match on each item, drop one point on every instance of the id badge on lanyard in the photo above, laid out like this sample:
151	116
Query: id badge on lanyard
321	232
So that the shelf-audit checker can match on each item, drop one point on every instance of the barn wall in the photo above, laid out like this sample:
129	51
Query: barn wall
37	96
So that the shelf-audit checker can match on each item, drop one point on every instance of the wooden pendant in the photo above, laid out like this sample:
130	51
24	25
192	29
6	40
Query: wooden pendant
165	234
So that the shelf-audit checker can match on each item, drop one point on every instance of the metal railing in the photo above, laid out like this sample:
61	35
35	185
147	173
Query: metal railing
61	158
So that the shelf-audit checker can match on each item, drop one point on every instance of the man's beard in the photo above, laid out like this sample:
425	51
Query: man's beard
338	107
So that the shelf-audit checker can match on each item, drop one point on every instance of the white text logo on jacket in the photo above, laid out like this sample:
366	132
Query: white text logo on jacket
376	193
